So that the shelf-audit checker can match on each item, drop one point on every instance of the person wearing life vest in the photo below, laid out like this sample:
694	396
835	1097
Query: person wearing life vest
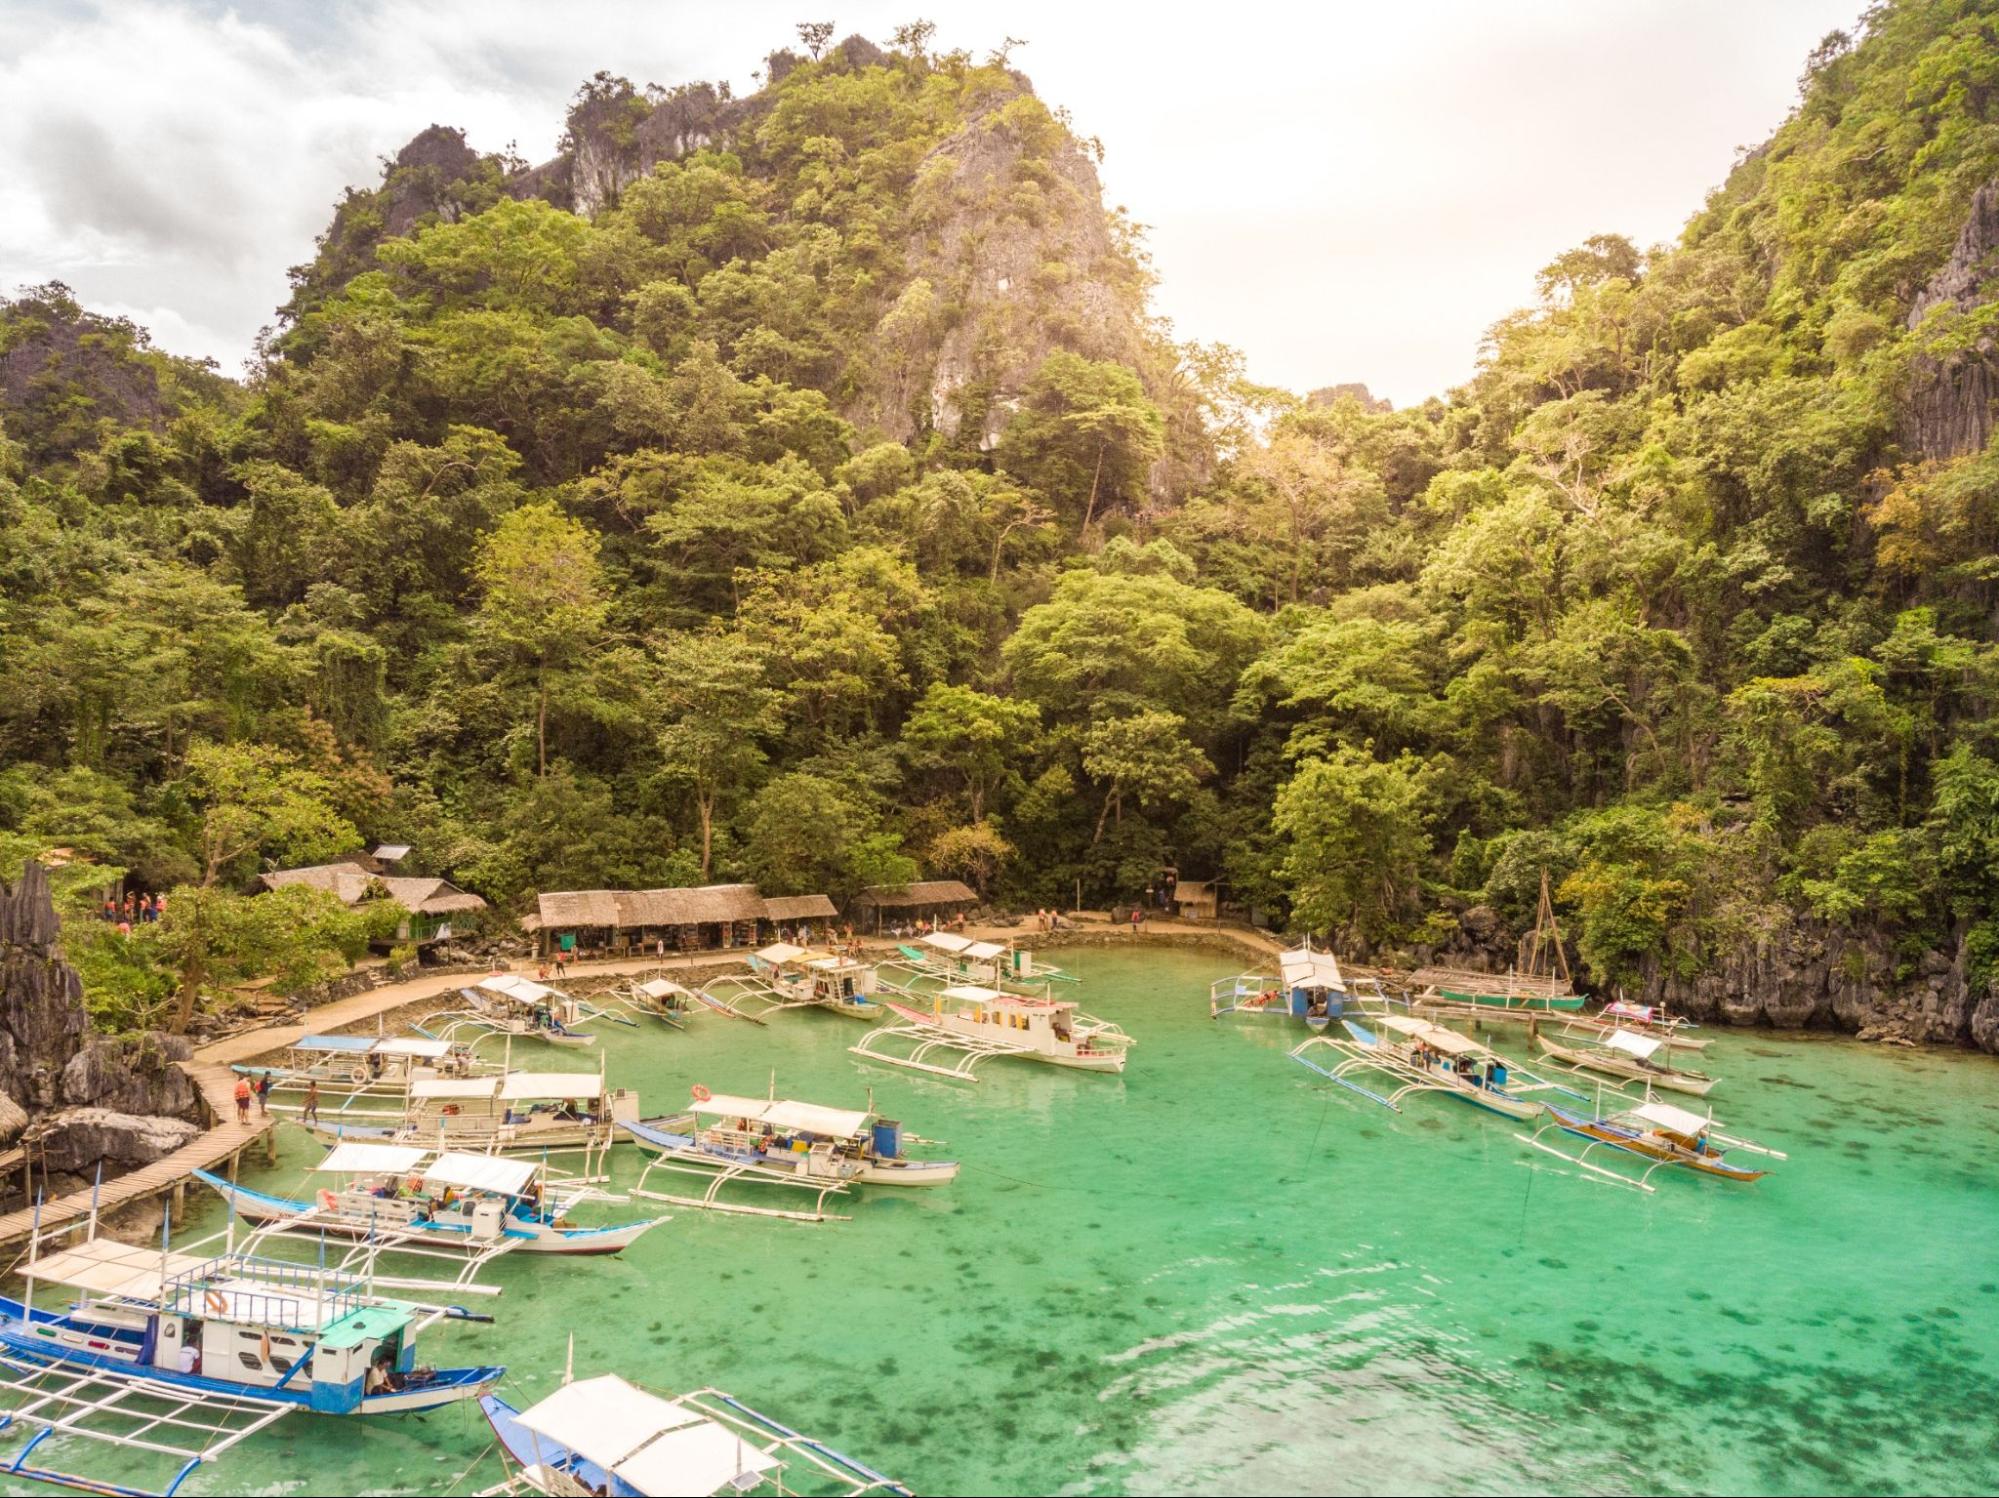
242	1100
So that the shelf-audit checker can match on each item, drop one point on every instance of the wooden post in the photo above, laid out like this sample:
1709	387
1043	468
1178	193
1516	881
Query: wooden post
233	1158
271	1145
177	1202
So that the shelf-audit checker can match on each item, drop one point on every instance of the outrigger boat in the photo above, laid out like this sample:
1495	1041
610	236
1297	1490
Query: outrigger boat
1308	986
960	959
1623	1054
507	1004
512	1113
774	1141
783	976
1540	981
1656	1132
186	1354
662	998
1646	1019
1415	1055
402	1196
603	1435
365	1063
975	1024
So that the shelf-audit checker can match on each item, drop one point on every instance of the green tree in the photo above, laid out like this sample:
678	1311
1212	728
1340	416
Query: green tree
1354	844
709	690
1084	429
972	735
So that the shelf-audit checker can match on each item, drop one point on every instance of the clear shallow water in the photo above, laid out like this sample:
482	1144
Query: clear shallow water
1221	1274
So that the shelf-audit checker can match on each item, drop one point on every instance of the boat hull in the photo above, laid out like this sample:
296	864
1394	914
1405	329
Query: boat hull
1646	1148
655	1139
1612	1065
1556	1004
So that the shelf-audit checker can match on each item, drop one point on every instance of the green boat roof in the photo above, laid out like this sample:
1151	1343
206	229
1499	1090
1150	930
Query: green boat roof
369	1324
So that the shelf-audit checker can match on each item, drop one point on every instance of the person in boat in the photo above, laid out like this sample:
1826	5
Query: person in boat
567	1111
1495	1075
374	1066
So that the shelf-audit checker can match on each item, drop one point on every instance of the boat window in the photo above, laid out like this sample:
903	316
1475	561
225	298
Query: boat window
250	1361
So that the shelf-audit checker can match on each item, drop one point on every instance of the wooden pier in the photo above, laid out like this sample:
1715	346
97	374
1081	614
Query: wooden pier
223	1141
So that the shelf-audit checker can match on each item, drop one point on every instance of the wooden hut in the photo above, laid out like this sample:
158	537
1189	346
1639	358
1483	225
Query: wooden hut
921	901
616	921
1197	899
788	911
430	902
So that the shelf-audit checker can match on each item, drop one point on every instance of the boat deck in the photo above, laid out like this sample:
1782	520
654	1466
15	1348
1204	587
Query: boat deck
217	1085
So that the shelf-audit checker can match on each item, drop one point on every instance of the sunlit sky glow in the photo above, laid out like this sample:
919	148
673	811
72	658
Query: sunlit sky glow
1343	191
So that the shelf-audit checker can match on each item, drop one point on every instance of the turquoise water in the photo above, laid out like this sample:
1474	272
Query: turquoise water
1221	1274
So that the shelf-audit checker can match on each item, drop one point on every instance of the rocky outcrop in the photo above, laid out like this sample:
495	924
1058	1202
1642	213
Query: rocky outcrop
425	179
76	1139
133	1074
1948	409
42	1023
1810	974
1332	395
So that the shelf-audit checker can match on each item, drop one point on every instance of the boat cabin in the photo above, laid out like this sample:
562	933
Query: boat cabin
841	980
1010	1013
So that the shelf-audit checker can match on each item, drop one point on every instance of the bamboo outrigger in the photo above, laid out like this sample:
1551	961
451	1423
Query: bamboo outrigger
1540	981
1414	1055
1655	1132
783	976
1307	986
973	1025
1629	1056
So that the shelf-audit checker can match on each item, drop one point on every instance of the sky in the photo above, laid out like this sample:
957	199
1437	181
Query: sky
1344	191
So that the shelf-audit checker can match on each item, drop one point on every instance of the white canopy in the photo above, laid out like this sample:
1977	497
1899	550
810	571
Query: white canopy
520	990
984	951
103	1267
809	1118
482	1172
355	1158
659	1448
1304	968
418	1046
783	951
967	993
430	1087
1437	1037
833	964
1666	1116
944	941
1640	1046
660	988
545	1086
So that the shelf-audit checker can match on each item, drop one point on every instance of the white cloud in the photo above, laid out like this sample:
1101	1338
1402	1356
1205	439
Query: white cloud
1347	192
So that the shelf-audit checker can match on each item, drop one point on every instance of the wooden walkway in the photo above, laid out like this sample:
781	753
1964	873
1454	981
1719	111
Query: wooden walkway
224	1140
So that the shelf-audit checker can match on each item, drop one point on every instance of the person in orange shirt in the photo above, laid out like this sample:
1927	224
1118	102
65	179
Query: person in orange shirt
242	1100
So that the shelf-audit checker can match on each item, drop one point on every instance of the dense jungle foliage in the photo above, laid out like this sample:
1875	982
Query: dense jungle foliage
551	545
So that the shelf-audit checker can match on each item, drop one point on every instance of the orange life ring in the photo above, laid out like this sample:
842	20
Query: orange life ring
701	1094
217	1306
326	1199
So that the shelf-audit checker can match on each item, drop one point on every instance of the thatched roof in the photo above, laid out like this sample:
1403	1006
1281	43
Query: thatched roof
628	909
352	884
799	908
923	892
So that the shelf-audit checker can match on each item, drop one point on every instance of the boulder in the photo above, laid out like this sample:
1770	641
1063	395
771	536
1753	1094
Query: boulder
76	1139
132	1074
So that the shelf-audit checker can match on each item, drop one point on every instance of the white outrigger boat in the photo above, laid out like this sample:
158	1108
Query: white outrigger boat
507	1004
1307	986
777	1142
1655	1132
183	1355
1624	1054
343	1064
404	1197
974	1024
514	1112
1411	1055
603	1435
783	976
992	964
665	1000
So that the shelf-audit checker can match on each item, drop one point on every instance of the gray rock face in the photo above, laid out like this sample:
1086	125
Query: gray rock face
132	1074
1949	407
77	1138
42	1022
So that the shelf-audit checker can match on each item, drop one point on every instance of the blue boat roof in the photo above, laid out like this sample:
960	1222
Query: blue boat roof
334	1043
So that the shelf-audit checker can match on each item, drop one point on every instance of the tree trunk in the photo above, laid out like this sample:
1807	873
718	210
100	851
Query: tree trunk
541	728
707	806
1103	815
1091	509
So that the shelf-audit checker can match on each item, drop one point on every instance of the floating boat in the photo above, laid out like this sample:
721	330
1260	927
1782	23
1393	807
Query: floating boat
511	1113
783	976
1411	1055
1623	1054
774	1141
662	998
506	1004
1646	1019
974	1024
961	959
604	1435
1540	981
344	1064
1307	986
403	1196
184	1355
1655	1132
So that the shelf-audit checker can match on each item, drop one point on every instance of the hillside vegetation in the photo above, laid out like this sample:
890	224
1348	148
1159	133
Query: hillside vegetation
795	488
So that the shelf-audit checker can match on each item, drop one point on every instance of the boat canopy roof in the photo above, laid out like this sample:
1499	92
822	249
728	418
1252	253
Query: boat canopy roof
1640	1046
651	1444
1437	1037
431	1087
1621	1009
783	951
520	990
809	1118
660	988
1304	968
984	951
945	941
833	964
338	1043
419	1047
1666	1116
352	1157
103	1267
548	1086
499	1173
366	1324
